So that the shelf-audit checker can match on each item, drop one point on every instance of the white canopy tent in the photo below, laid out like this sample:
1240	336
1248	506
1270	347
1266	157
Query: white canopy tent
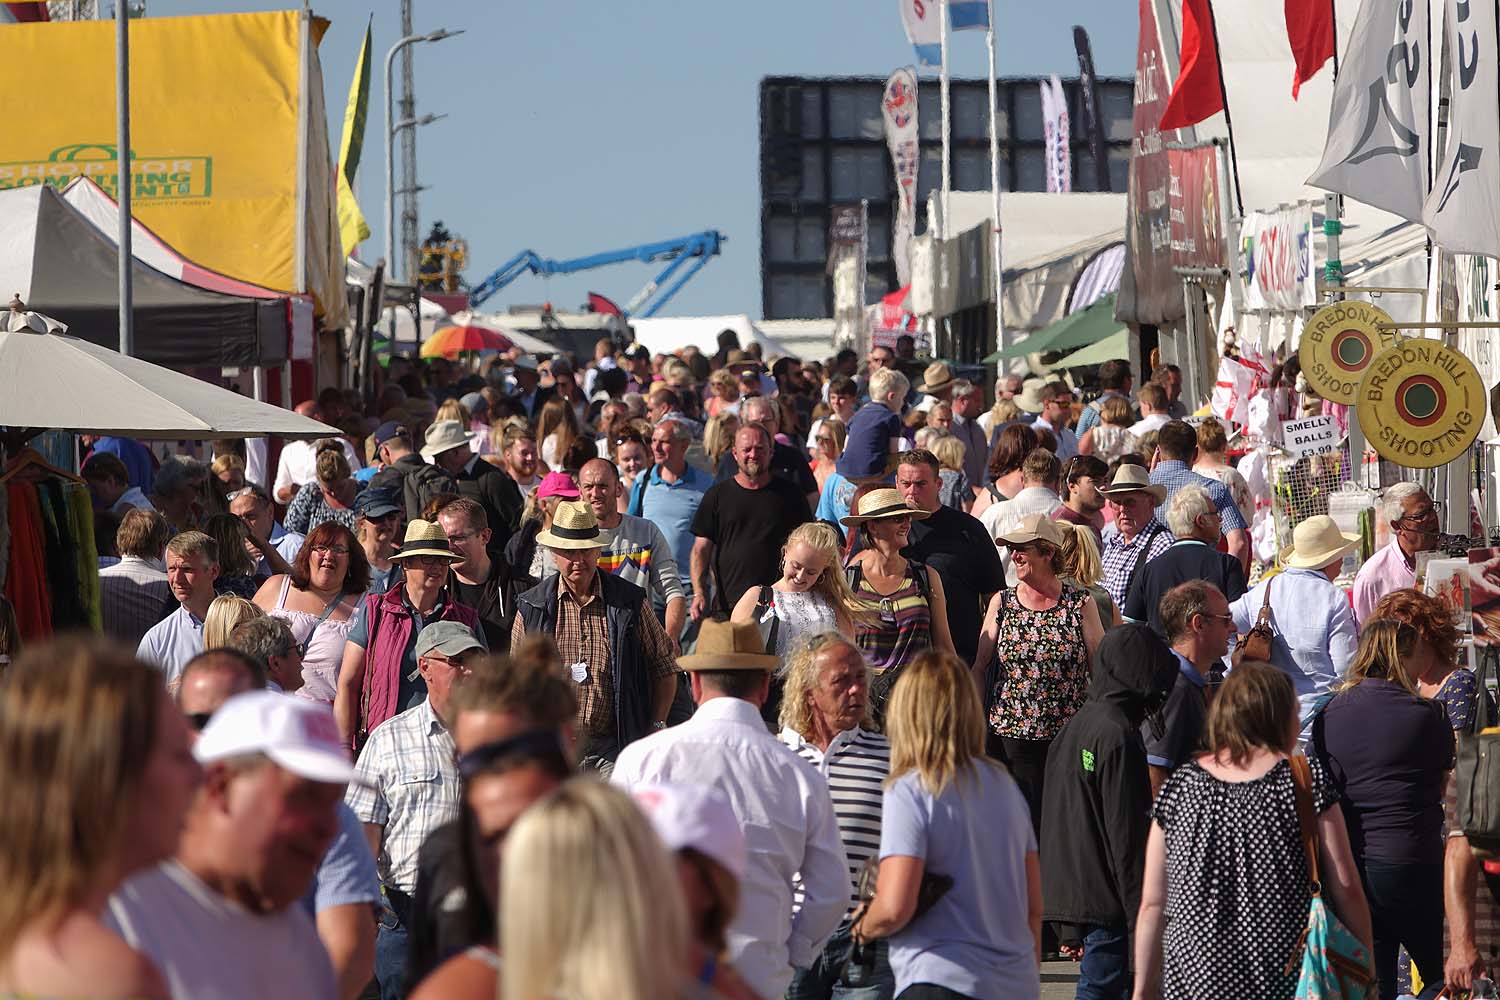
663	336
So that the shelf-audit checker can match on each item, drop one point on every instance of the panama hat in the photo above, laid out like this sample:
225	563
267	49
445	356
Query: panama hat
425	538
879	504
936	378
1317	542
445	435
729	646
1031	528
1029	398
738	361
1133	479
574	526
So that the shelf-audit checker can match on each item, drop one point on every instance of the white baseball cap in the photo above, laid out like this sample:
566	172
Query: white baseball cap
297	734
698	817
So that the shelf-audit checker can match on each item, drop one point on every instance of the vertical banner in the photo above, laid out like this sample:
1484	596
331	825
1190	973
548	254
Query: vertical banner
1152	293
1197	234
1055	131
1276	250
1463	208
352	226
1093	125
922	20
848	237
899	105
1377	121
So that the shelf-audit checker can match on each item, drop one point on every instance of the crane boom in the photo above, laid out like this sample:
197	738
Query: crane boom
693	251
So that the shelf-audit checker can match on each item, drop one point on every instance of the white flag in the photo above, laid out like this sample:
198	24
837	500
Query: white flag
899	105
1055	130
924	29
1377	124
1463	207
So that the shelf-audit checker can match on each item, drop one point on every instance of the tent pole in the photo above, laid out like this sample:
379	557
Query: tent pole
122	170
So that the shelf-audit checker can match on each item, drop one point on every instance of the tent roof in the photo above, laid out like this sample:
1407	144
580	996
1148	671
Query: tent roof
664	335
1087	326
1116	345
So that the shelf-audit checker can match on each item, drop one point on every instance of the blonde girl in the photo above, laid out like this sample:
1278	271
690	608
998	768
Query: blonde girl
811	596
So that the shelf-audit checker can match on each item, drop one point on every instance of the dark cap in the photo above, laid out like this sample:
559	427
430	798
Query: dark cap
637	352
376	501
391	429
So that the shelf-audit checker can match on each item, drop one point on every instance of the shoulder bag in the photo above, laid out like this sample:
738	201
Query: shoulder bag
1256	643
1478	765
1334	964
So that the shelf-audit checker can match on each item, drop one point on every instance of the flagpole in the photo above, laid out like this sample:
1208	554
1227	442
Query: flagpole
1234	161
943	86
996	231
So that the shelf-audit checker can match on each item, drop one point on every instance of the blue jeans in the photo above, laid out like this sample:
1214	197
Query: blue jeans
824	980
390	954
1104	973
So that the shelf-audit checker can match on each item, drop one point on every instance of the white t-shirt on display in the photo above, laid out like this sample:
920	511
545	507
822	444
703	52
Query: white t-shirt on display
211	948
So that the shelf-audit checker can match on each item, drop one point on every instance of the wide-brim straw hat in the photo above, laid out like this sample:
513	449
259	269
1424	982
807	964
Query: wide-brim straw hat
1031	528
445	435
1029	398
729	646
1134	479
574	526
426	538
878	505
1317	542
936	378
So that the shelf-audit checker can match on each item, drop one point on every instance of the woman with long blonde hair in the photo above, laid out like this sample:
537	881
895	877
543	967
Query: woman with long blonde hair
1083	567
590	904
718	436
97	777
951	816
811	596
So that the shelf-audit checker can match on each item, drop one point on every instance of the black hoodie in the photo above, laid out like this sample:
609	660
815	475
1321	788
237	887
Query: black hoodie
1096	810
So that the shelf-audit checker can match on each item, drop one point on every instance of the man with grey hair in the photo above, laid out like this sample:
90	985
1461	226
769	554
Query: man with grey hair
176	491
1195	617
786	461
1415	524
1193	517
268	640
967	403
824	718
192	568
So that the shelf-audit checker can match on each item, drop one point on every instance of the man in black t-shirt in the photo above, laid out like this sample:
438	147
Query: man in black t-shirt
953	543
482	580
1198	625
1194	520
741	525
785	461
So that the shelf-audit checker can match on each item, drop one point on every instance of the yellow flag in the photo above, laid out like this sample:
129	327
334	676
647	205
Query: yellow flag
352	227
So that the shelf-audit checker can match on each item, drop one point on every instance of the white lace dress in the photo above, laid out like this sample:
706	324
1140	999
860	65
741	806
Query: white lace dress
798	617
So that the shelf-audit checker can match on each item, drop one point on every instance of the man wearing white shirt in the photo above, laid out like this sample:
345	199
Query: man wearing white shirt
1057	410
1152	401
1039	474
783	805
299	459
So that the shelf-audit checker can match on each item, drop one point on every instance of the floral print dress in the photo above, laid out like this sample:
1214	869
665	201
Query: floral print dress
1044	672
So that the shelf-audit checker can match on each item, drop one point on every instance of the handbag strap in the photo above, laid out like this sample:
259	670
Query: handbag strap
1306	820
1264	618
303	646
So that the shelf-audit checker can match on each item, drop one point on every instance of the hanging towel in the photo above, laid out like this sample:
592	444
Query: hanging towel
26	580
86	555
62	571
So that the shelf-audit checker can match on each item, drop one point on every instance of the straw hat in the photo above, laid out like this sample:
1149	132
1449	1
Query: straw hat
879	504
1030	397
738	361
936	378
445	435
1031	528
574	526
424	538
1317	542
1133	479
729	646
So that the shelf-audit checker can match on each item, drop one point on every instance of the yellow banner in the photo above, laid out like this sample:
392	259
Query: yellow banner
216	107
352	227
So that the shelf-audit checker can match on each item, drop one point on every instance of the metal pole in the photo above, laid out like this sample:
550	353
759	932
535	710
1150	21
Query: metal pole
408	157
997	228
122	171
943	87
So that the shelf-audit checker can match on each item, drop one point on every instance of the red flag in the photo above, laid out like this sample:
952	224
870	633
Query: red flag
1199	93
1309	29
599	304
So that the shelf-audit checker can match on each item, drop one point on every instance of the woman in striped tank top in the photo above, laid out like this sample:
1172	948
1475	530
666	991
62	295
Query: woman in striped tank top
909	611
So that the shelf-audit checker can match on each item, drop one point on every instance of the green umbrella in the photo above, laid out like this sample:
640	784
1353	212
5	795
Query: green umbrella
1079	329
1116	345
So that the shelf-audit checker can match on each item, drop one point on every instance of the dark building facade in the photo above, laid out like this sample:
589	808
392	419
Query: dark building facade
822	143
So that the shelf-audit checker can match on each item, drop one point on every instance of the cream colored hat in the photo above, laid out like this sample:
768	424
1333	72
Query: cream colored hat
1132	479
1031	528
1317	542
878	504
574	526
445	435
936	378
426	538
1029	398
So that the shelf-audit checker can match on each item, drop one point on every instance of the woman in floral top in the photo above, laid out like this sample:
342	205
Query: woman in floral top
330	497
1041	636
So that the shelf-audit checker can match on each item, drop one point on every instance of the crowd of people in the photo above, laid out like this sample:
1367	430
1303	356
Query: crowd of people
685	676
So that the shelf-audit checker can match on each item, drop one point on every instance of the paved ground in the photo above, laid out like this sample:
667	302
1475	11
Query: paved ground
1058	979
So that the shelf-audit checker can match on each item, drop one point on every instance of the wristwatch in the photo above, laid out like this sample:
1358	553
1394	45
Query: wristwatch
658	726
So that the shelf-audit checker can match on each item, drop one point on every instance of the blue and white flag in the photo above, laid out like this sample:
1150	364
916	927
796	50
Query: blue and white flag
924	29
968	15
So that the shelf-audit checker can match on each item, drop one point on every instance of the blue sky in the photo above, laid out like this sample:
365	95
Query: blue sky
578	127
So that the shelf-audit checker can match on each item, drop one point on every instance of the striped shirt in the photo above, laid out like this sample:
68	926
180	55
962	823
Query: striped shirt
856	766
133	594
902	626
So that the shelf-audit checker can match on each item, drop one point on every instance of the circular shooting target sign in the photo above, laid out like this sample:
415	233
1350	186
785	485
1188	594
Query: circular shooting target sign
1421	403
1338	344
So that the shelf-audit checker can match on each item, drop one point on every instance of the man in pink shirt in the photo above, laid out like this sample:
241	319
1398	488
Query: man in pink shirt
1414	528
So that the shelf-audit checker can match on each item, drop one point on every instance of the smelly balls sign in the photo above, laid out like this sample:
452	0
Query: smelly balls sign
1421	403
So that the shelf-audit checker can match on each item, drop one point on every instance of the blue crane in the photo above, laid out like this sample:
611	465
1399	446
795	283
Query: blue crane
697	248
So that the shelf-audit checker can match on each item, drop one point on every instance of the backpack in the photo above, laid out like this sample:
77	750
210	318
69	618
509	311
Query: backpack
419	486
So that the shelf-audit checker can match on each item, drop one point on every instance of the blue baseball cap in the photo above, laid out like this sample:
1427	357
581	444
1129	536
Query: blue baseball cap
391	429
376	502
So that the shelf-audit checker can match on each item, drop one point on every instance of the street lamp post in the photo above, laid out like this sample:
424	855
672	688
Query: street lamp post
390	137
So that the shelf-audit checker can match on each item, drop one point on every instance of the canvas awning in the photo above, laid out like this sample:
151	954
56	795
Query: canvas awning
1116	345
1080	329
